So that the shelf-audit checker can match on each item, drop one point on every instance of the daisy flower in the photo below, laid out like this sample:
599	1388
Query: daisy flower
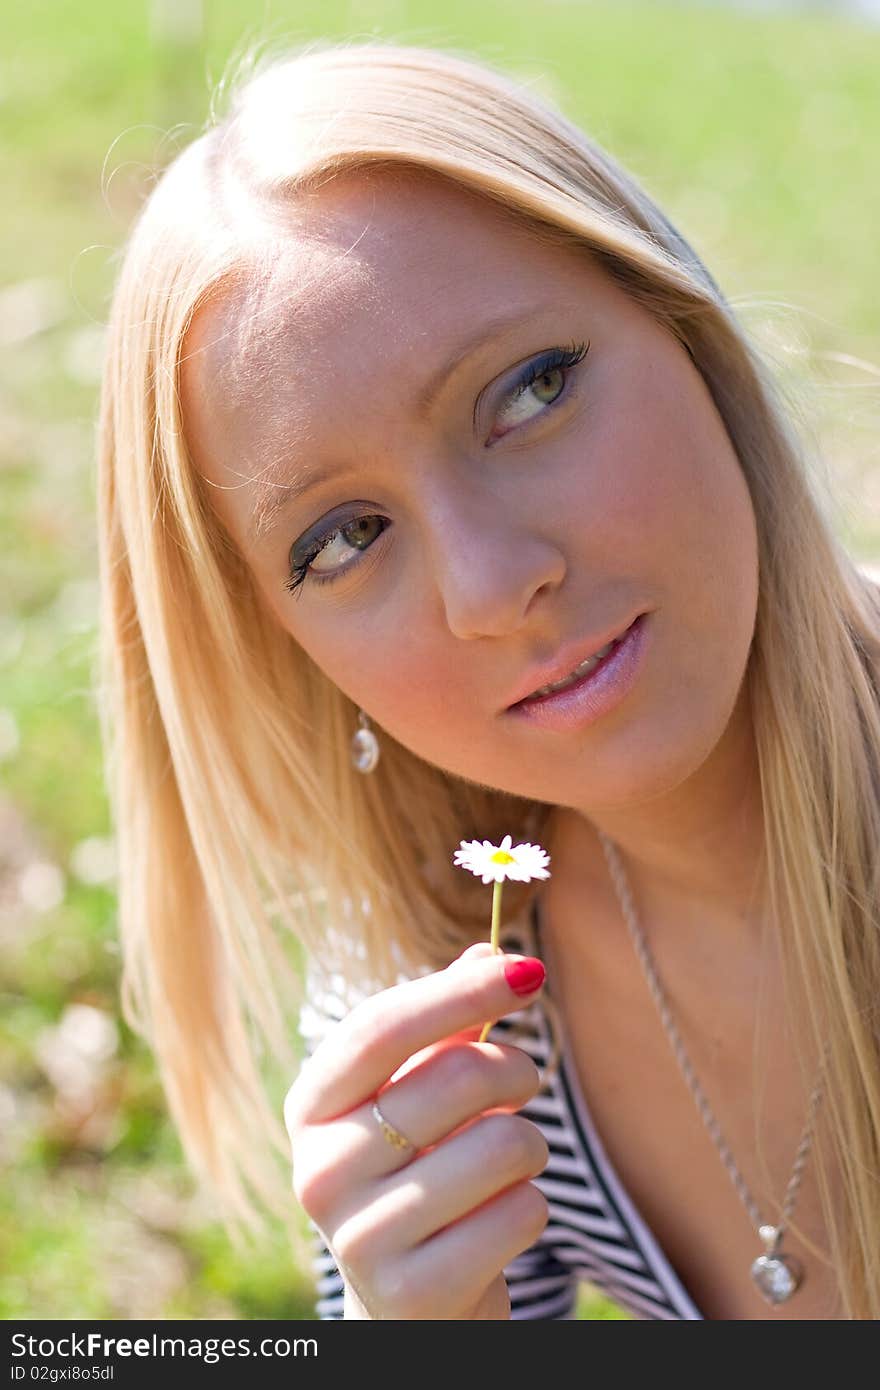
494	864
497	862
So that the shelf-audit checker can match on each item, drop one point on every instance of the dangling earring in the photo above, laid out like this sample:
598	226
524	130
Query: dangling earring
364	746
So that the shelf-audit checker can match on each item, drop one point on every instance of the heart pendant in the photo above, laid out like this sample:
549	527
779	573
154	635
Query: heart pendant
777	1276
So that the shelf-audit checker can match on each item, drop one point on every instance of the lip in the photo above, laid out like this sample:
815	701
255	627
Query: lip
569	657
596	693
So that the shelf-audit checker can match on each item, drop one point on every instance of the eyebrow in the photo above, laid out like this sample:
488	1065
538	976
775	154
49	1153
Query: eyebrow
278	490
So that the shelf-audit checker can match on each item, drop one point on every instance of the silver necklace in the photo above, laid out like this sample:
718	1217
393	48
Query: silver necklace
777	1275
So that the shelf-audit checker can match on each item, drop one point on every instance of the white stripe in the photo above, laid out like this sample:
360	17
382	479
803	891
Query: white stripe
551	1284
620	1284
329	1285
330	1308
558	1307
631	1280
548	1106
580	1196
535	1047
597	1225
572	1166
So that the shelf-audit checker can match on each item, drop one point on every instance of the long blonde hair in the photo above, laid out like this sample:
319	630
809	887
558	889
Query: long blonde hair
246	840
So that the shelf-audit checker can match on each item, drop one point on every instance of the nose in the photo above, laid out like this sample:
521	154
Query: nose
491	561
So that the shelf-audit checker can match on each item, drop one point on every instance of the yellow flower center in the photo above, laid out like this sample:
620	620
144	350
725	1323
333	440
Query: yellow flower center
502	857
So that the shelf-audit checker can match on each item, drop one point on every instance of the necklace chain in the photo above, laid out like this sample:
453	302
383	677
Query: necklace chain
622	887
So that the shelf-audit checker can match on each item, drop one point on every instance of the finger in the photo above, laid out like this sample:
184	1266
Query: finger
445	1095
454	1040
445	1092
441	1187
475	951
445	1204
377	1037
452	1269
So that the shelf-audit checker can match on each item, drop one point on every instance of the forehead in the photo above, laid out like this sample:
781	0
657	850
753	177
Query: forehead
374	246
378	282
242	340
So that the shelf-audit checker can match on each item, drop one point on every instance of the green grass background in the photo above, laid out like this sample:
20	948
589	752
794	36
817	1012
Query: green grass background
757	134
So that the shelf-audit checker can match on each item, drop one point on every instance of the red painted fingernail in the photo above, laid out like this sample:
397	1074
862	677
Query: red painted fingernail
524	976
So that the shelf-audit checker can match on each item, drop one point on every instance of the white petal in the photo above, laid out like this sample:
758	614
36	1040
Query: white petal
529	861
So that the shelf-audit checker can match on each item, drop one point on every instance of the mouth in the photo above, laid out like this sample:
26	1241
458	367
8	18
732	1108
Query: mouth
577	673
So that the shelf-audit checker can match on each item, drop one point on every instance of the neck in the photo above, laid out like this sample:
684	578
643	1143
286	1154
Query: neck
694	856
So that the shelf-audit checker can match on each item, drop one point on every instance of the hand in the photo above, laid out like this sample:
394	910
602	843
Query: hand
426	1231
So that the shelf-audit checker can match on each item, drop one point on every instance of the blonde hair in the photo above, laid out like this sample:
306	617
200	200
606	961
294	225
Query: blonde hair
245	837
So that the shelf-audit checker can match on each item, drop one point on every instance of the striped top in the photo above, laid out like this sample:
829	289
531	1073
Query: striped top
594	1232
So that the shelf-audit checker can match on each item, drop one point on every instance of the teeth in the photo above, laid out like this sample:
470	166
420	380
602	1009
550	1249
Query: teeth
578	671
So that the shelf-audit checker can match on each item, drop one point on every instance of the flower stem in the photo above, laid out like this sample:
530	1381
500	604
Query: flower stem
494	933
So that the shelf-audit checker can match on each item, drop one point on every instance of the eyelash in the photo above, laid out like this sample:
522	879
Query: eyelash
555	359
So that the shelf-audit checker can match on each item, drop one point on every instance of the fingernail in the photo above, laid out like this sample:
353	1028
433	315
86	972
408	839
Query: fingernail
524	976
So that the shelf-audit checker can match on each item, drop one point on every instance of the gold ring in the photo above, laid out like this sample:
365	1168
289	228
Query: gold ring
392	1135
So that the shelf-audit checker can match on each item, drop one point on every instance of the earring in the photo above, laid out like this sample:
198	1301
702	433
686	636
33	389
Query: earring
364	746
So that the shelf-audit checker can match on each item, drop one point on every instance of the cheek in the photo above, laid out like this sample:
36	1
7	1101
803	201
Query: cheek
678	506
666	505
706	626
417	695
373	659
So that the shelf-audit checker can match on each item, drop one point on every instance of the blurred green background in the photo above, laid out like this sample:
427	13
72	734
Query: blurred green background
757	133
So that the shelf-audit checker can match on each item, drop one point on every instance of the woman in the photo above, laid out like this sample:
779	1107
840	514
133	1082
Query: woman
414	404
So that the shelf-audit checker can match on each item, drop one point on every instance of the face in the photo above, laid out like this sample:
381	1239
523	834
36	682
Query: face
461	523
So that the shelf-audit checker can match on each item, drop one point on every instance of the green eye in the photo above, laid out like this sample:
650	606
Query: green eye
546	374
354	531
551	381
